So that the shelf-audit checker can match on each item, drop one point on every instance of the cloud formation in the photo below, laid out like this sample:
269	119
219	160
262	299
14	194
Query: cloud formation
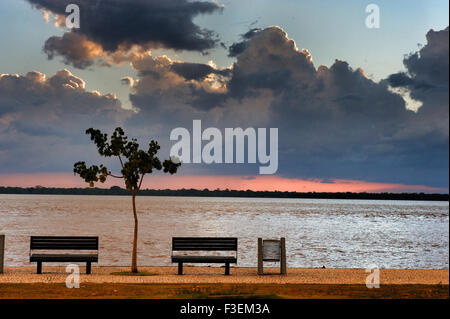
42	119
174	83
333	121
427	80
109	29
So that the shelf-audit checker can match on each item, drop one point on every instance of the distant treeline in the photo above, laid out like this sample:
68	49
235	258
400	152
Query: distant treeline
115	190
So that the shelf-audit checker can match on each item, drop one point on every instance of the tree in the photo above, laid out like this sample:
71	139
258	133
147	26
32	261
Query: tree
135	164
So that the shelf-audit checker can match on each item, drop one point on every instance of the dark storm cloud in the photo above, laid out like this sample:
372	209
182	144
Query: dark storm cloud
400	79
43	119
239	47
427	80
333	121
431	63
429	67
245	85
118	25
249	34
196	71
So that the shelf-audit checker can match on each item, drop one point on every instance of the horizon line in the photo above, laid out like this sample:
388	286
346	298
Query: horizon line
112	188
239	182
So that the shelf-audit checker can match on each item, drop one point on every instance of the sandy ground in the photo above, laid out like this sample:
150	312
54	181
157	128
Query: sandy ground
198	275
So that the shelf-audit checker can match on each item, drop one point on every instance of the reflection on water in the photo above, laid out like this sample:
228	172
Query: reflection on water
334	233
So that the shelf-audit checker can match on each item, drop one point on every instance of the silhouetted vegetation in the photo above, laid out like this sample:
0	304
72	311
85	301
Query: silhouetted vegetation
135	164
115	190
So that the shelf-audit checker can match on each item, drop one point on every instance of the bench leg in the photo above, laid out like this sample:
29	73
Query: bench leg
180	268
88	267
227	269
39	267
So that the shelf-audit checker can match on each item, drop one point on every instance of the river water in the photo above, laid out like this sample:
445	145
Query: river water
318	232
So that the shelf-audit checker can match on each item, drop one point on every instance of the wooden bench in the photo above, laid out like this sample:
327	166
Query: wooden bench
63	243
204	244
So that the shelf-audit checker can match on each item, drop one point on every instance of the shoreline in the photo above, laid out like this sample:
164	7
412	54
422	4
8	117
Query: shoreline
96	191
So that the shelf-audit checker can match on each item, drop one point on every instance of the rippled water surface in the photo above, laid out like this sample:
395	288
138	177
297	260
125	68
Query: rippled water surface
334	233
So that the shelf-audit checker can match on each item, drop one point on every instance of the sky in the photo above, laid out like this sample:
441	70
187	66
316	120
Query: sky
357	108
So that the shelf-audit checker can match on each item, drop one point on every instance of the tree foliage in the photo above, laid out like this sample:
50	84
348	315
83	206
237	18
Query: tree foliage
135	162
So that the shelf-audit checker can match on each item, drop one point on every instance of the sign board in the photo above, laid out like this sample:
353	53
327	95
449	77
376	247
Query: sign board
271	250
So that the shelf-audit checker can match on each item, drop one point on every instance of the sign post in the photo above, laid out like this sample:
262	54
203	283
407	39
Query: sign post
2	252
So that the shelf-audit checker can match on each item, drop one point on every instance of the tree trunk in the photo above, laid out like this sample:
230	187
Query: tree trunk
134	268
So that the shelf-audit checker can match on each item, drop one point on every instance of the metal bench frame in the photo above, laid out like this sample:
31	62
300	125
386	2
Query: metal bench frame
63	243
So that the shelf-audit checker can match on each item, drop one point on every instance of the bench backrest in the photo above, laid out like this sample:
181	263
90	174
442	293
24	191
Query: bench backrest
63	243
204	243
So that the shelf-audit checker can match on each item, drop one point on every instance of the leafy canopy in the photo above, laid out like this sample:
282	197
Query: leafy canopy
135	162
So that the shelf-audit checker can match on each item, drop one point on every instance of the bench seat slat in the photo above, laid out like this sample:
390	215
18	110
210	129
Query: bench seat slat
57	245
204	259
58	238
207	248
63	243
88	239
63	247
204	243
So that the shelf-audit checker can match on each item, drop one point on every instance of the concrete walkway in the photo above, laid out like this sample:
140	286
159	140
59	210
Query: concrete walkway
166	275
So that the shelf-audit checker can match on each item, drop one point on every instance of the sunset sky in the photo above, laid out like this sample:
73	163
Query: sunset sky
357	109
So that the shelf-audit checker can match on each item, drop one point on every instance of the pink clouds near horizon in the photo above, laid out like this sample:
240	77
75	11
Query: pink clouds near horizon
255	183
